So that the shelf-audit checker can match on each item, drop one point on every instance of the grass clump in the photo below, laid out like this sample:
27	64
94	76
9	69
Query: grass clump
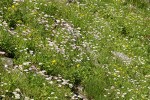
16	84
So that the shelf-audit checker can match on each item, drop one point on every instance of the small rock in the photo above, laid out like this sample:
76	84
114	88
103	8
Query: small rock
124	58
2	53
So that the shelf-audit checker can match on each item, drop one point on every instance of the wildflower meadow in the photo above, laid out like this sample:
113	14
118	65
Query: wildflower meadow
74	50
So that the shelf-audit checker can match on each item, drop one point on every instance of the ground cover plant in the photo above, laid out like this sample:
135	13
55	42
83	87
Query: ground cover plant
75	49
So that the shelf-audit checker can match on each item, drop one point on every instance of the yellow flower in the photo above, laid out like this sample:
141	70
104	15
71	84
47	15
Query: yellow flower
19	21
13	6
53	62
78	65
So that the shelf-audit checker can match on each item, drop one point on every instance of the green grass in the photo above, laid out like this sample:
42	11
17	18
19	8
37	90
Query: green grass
29	85
76	41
